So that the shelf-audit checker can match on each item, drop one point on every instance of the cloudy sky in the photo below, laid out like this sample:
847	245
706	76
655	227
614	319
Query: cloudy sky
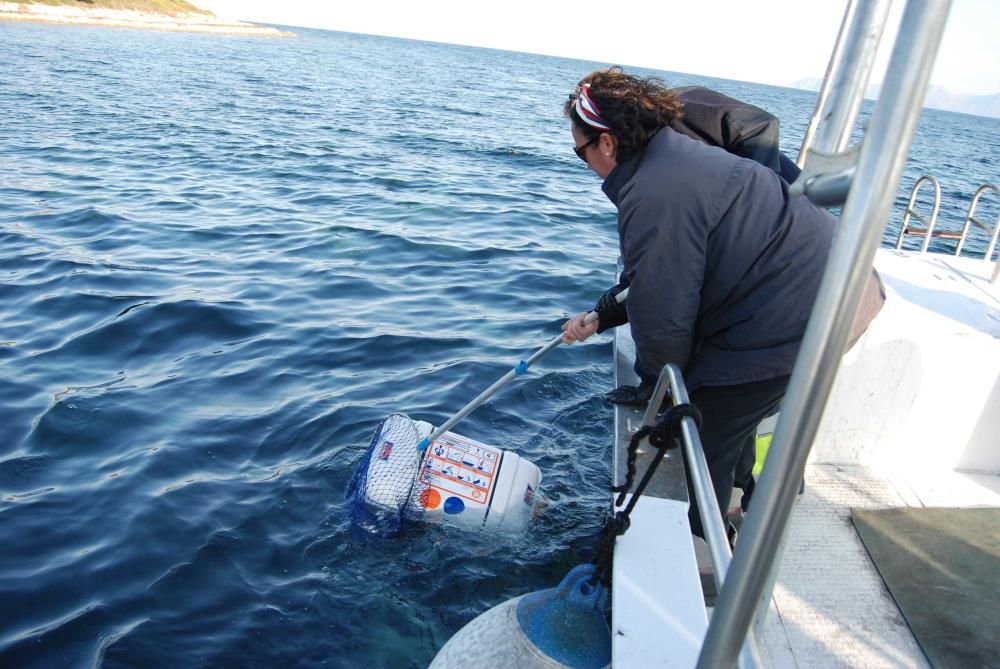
767	41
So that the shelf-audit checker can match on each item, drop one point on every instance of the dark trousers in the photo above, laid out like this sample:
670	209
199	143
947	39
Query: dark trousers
730	415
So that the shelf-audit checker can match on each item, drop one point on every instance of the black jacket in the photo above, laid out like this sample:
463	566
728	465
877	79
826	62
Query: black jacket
723	266
736	126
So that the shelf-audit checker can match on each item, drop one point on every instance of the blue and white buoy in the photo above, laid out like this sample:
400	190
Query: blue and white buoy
562	627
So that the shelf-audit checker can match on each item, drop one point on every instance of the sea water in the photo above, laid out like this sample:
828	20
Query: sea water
225	259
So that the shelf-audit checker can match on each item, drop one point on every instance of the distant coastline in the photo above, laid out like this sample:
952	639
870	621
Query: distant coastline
128	18
938	97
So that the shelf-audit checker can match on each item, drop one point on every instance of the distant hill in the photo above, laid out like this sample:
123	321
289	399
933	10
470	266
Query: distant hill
938	97
980	105
168	7
176	15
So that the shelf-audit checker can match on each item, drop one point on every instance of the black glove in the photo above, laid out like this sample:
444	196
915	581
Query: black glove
610	312
631	395
606	304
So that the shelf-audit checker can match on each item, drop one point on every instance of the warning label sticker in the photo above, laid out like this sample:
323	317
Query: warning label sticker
459	466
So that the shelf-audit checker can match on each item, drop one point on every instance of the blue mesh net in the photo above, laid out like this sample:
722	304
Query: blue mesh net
385	487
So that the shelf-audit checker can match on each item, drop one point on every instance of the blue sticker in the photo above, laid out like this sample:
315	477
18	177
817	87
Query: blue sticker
454	505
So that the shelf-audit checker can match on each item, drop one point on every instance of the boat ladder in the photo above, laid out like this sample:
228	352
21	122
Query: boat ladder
928	230
970	219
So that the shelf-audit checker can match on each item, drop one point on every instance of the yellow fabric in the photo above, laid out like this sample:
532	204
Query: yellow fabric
762	444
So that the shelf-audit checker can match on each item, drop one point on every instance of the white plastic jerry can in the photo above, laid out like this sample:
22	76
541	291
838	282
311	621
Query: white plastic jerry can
471	482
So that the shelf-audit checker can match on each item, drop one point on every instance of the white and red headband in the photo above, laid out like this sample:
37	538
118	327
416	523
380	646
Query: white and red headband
587	110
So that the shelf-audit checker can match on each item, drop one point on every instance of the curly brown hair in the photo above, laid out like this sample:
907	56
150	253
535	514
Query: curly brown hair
635	108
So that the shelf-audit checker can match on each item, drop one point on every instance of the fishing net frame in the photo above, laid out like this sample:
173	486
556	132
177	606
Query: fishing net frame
386	488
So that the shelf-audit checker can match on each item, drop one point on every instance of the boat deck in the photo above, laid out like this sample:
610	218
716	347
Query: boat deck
830	607
912	418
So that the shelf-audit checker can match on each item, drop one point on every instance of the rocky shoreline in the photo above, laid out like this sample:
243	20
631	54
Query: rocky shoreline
200	23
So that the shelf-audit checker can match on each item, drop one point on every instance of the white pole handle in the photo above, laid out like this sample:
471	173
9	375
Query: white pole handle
521	368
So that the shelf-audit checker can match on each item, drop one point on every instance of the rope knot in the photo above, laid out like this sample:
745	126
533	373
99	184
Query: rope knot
662	436
619	523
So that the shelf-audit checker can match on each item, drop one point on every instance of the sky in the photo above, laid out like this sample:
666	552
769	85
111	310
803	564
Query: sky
775	42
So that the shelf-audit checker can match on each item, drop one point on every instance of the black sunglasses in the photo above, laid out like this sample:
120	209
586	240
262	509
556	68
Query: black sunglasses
579	150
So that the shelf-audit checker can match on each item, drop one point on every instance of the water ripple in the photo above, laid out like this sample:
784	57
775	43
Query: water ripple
223	261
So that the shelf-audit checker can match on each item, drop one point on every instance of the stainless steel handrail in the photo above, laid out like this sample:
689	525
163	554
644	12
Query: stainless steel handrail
824	89
905	229
862	223
849	72
848	92
704	492
969	219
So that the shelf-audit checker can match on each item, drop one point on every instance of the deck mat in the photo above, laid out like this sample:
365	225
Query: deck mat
942	567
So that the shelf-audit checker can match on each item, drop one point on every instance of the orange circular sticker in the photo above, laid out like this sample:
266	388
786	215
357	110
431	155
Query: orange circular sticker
430	498
477	494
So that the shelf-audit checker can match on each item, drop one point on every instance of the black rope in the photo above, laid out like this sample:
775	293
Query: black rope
663	436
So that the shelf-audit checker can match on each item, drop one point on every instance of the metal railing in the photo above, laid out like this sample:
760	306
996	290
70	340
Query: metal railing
827	164
701	482
746	592
833	133
928	230
824	89
971	220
